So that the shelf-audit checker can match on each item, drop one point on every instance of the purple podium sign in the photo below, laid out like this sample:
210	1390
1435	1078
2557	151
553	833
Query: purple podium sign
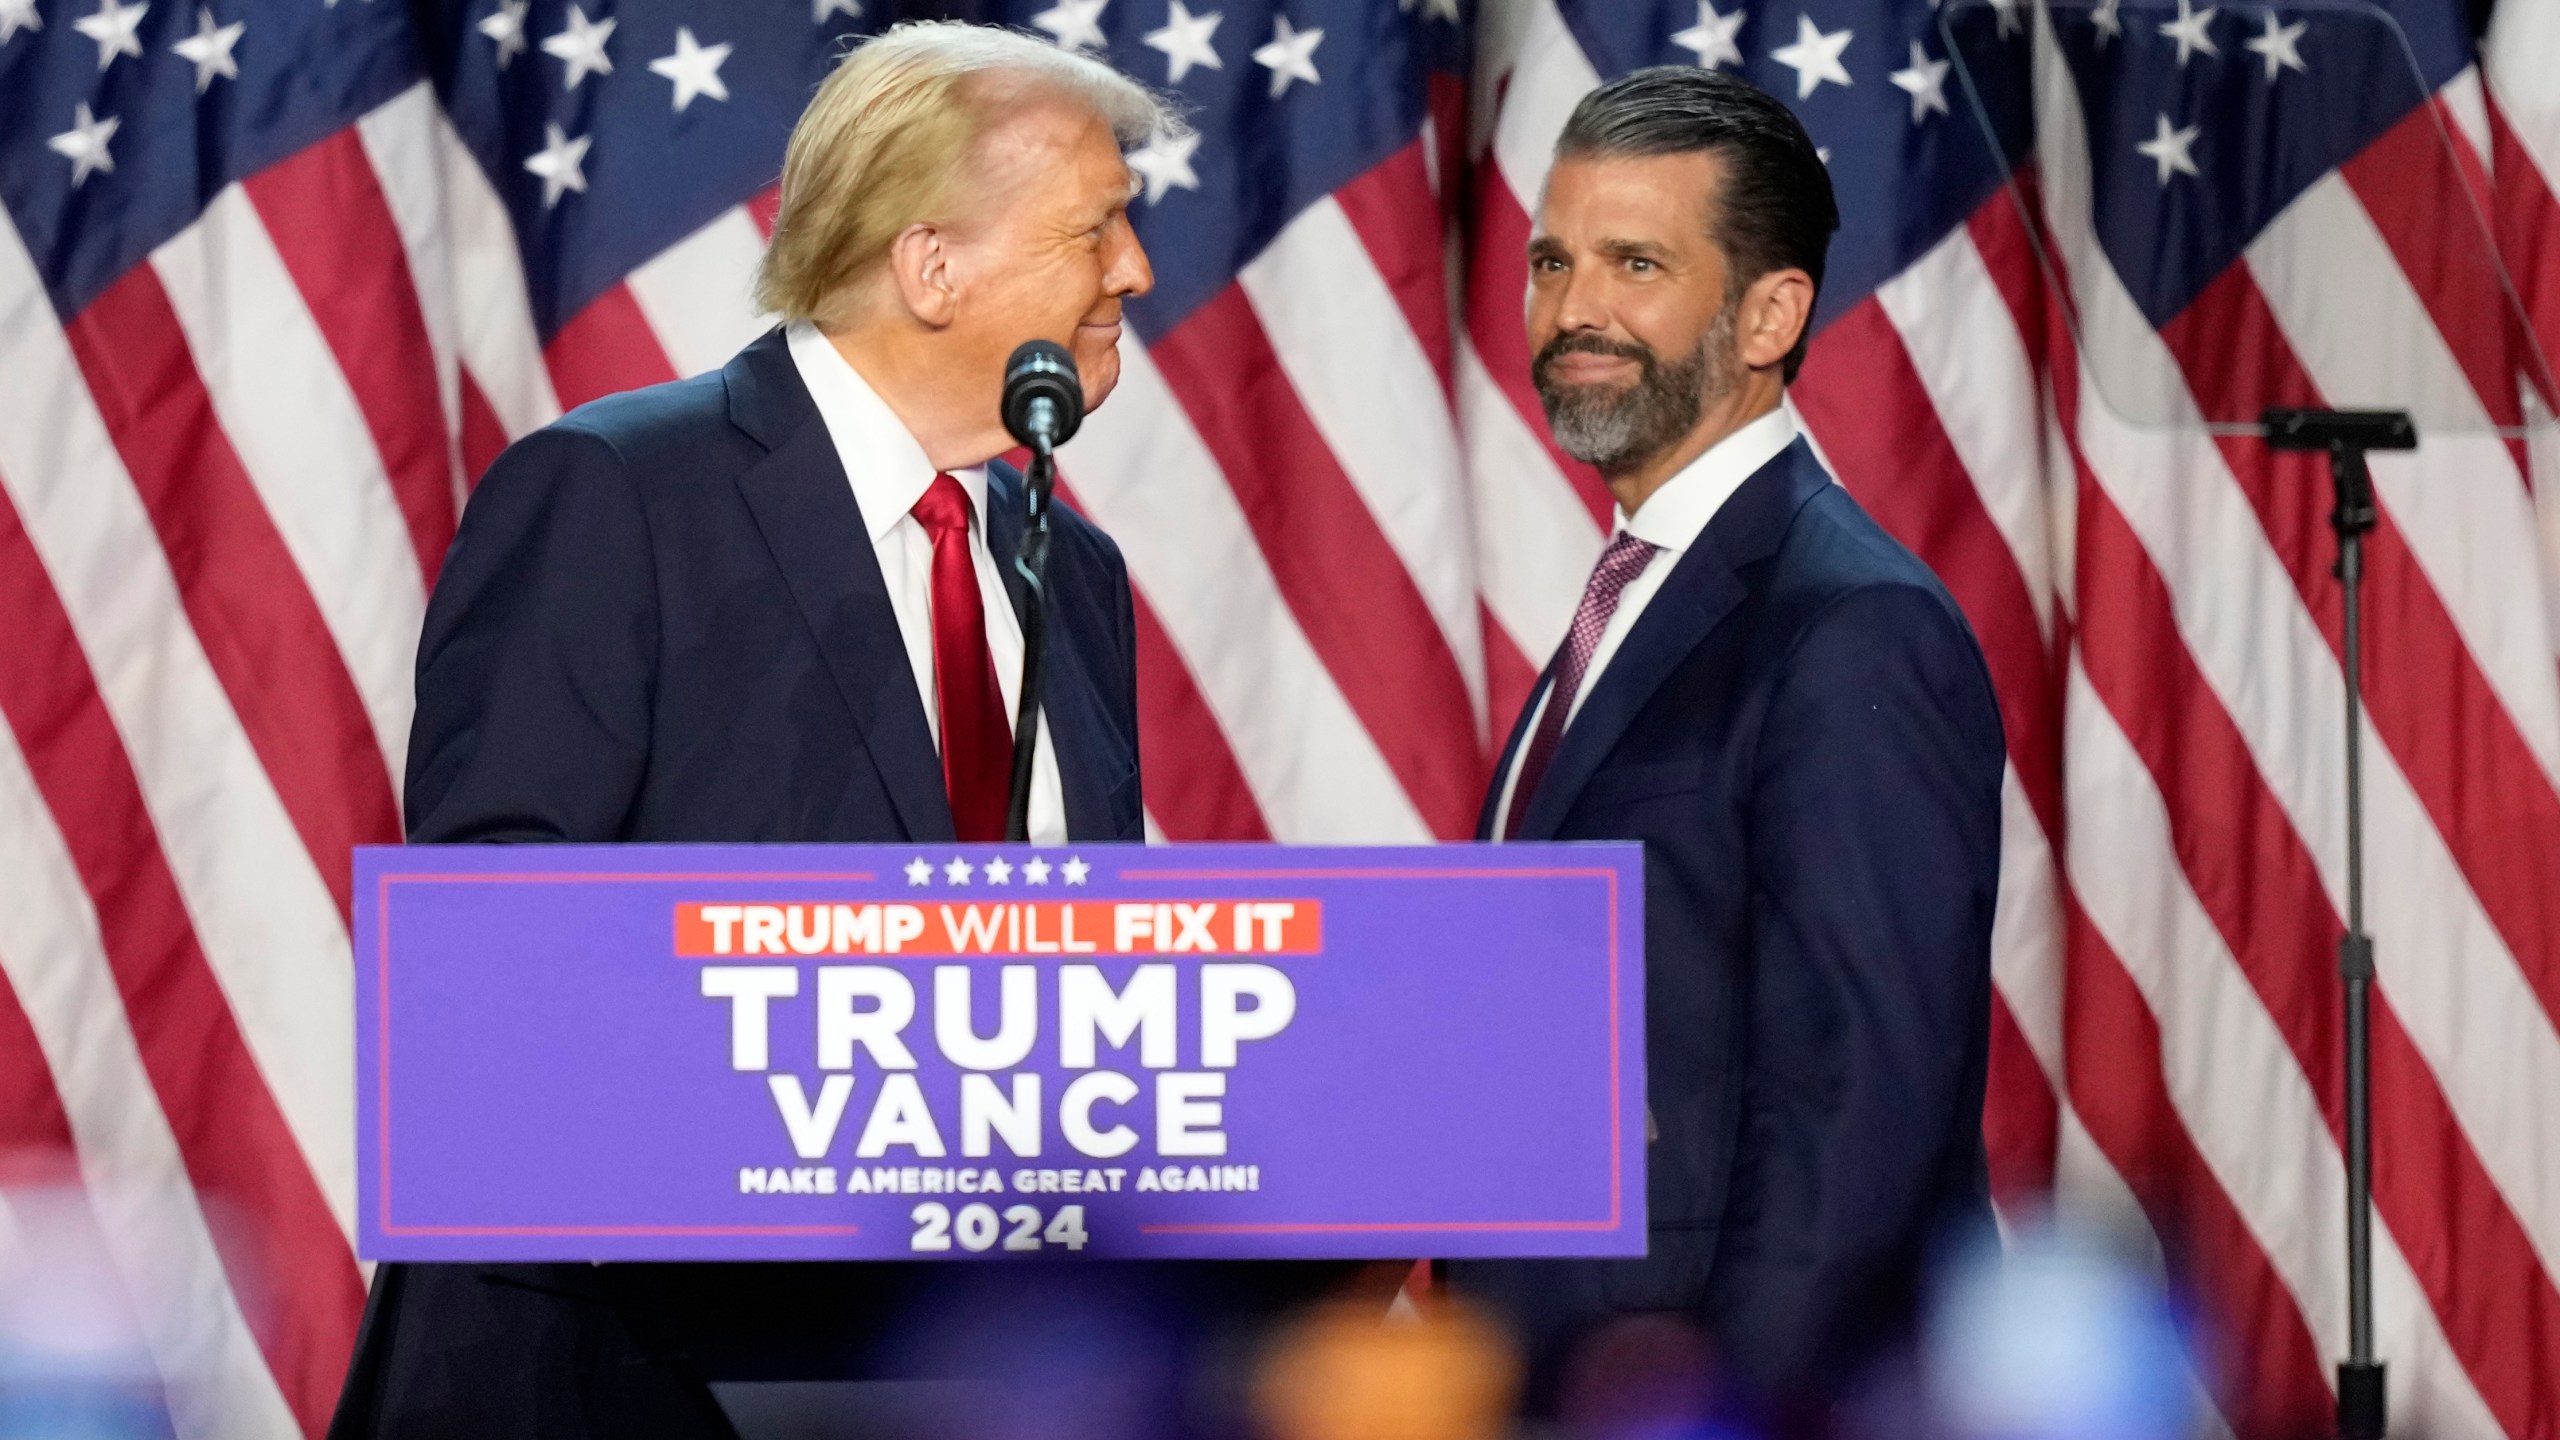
756	1052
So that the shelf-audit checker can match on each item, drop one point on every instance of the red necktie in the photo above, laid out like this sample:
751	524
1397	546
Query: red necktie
977	740
1621	562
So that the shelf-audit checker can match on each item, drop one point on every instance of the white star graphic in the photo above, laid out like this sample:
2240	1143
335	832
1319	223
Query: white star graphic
1075	870
1165	161
999	871
2169	148
2109	25
209	49
112	27
1291	55
819	10
17	15
919	871
561	163
695	69
1712	38
2279	46
1074	24
957	872
2189	31
1035	871
85	144
581	46
1925	82
1815	57
1185	42
1432	9
2011	22
505	26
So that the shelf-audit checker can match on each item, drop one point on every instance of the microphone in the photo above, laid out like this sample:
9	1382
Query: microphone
1043	399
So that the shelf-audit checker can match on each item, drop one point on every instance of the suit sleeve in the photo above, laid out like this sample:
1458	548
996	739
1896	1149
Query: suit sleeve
1875	842
535	668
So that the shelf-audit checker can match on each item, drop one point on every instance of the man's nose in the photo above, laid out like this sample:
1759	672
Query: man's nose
1128	271
1583	303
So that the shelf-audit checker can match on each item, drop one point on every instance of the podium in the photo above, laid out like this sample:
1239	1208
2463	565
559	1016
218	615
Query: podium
992	1054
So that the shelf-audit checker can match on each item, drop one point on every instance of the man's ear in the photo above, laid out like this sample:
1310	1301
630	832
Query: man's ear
1775	310
920	268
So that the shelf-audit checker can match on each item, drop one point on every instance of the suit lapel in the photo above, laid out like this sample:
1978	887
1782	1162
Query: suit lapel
1490	816
1698	595
805	508
1078	723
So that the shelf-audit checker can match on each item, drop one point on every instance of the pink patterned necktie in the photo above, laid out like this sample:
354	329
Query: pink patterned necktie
1622	562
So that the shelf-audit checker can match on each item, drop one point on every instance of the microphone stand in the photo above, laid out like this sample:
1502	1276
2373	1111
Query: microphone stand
1031	563
2347	435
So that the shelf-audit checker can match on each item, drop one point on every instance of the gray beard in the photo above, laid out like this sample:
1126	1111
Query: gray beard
1617	430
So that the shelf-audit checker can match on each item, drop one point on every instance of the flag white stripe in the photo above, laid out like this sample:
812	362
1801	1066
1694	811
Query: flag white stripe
1319	297
1551	78
1144	475
301	436
217	1381
266	922
696	293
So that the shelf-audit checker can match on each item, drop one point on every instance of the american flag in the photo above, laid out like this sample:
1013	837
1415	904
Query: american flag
278	278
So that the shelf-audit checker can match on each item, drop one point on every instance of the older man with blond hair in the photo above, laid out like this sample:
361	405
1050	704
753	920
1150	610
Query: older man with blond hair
770	604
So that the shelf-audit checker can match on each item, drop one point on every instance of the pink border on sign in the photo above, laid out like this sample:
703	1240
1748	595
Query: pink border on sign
382	1033
1617	1103
382	994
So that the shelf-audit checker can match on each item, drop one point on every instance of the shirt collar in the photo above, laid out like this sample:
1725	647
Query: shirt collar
887	468
1677	514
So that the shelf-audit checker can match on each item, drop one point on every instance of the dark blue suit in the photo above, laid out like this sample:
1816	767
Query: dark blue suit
662	621
1800	729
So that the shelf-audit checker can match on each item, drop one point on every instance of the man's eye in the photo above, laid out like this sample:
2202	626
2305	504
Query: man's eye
1639	264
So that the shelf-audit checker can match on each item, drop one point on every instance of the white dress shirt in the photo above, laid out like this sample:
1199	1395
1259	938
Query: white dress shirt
890	474
1671	521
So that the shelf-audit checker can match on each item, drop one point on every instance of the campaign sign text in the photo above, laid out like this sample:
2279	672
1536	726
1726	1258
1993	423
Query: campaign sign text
986	1053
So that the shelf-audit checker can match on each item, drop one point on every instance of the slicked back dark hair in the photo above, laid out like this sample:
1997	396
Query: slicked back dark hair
1775	209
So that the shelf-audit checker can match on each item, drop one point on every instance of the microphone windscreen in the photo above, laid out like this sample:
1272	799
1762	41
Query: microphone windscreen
1042	369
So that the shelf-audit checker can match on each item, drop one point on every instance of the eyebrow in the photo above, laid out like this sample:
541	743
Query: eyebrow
1634	250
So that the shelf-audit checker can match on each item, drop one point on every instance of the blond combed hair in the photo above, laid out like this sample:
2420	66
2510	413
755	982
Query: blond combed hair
887	141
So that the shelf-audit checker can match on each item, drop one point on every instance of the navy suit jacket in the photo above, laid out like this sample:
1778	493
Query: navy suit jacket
1801	730
662	620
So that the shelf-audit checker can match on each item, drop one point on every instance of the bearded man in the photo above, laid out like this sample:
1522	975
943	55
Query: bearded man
1791	713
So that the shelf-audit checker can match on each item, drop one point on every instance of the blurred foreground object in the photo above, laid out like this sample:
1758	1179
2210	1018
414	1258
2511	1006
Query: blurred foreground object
1347	1372
2062	1337
73	1360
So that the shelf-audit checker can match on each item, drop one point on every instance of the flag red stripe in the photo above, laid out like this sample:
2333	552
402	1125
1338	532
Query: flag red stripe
2273	1388
281	1248
325	210
483	435
1351	593
1397	218
32	1121
2429	700
2021	1118
1497	287
2527	222
1509	677
606	349
2421	203
258	623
